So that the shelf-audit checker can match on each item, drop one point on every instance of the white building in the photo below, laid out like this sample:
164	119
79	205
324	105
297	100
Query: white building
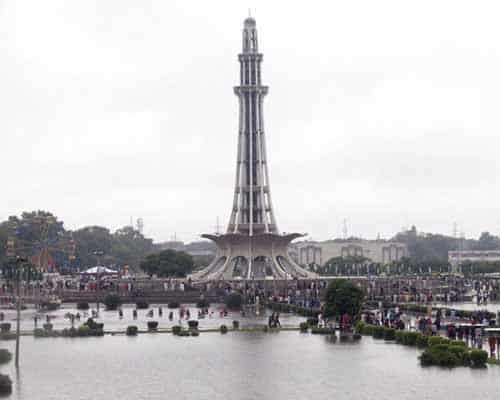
378	251
457	257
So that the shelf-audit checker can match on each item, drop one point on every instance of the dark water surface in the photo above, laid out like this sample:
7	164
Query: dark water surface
284	365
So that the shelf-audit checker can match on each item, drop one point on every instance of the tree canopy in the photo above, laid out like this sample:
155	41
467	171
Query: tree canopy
37	230
168	263
342	296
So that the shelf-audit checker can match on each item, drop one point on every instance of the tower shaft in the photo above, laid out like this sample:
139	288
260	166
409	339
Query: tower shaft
252	211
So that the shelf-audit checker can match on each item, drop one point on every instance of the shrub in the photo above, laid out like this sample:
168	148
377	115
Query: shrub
435	340
193	324
83	305
410	338
368	330
439	355
389	334
478	358
360	326
173	304
399	336
223	329
152	325
183	333
303	327
177	329
195	332
48	326
132	330
142	305
202	303
356	336
422	340
378	331
312	321
7	336
234	301
458	343
5	356
83	330
112	301
322	331
5	385
39	332
5	327
236	325
457	350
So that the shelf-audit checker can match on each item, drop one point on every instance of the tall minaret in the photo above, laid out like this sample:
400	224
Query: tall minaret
252	247
252	211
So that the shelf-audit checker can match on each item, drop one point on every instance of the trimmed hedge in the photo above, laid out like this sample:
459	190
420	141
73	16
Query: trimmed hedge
423	340
5	356
446	355
223	329
5	385
322	331
132	330
478	358
378	331
389	334
152	325
176	329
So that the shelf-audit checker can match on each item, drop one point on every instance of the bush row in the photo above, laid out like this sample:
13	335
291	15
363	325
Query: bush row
439	350
449	355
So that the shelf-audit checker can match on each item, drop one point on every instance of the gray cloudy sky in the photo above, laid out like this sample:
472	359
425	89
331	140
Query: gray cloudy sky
381	112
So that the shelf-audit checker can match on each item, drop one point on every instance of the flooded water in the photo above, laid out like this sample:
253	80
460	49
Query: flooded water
112	322
281	366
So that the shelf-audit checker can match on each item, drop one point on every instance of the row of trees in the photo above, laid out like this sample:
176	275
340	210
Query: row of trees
37	230
425	247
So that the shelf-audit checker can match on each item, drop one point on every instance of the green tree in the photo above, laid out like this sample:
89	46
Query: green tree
487	242
342	296
168	263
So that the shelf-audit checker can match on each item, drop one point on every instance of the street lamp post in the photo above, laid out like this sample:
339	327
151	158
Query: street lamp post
98	254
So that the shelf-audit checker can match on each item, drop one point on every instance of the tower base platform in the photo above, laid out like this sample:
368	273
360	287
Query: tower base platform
262	256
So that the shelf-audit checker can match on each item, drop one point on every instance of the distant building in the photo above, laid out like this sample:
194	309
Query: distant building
378	251
199	248
457	257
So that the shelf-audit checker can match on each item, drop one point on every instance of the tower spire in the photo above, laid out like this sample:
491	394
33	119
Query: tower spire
252	211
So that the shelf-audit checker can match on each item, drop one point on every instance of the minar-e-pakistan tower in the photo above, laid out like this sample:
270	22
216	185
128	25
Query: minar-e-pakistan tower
252	247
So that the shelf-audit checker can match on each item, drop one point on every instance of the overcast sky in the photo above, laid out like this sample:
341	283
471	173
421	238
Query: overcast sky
385	113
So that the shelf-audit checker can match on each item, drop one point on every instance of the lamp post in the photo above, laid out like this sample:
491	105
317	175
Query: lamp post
98	254
14	272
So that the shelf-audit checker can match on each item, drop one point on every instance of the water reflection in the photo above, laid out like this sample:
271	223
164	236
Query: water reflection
236	365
